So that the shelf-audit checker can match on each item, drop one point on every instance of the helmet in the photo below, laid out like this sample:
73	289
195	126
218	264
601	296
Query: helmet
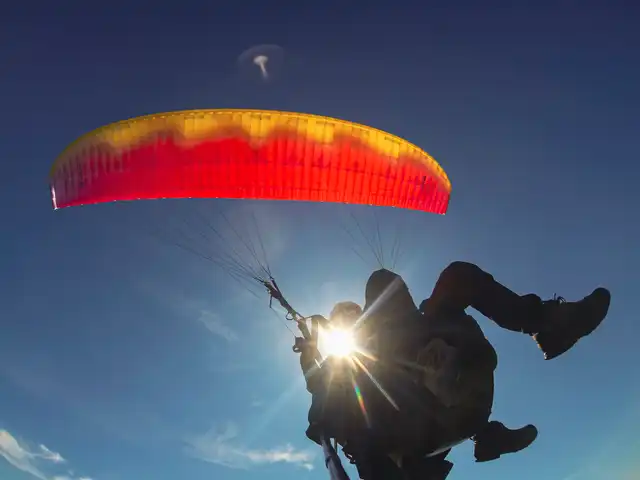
345	314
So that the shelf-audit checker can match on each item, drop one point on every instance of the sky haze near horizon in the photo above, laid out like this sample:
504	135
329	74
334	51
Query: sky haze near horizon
122	357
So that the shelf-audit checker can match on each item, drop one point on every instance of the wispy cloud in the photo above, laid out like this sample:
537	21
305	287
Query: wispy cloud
47	454
216	325
223	448
19	456
66	477
36	461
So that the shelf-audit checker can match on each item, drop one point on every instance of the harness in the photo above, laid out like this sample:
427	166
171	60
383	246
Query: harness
371	464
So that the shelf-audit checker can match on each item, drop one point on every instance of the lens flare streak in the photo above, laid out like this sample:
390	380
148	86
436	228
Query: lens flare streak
376	383
360	399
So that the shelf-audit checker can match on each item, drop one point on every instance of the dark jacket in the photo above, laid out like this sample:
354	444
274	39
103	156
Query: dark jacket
396	330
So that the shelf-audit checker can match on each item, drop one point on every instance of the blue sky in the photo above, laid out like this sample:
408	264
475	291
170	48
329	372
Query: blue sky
122	357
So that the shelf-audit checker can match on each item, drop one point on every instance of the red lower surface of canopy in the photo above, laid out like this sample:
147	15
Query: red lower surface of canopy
282	167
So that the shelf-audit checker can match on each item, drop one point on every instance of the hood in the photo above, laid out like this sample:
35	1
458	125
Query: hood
387	295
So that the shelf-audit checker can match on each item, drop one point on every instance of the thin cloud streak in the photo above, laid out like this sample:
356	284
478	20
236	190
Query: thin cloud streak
34	462
223	448
18	456
216	326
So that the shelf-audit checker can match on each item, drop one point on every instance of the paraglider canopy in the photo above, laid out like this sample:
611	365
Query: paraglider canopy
254	154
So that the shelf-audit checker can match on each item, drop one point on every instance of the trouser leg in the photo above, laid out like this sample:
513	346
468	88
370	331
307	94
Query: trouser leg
463	285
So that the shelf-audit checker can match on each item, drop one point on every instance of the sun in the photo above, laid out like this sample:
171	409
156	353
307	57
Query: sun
338	342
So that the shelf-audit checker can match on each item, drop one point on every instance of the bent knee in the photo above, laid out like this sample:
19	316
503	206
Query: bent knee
460	270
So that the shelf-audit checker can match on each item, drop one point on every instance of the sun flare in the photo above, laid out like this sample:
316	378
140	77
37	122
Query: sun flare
338	342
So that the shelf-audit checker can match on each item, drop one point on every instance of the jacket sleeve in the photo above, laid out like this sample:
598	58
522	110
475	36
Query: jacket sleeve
312	372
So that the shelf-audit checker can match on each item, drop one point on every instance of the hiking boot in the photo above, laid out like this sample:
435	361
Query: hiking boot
426	468
495	440
568	322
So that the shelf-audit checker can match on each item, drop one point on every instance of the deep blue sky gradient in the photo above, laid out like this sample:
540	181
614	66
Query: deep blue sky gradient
533	109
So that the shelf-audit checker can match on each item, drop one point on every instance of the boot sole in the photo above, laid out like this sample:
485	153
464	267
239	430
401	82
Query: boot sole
554	347
486	455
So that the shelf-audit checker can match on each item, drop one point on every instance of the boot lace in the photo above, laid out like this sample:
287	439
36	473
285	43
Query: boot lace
557	299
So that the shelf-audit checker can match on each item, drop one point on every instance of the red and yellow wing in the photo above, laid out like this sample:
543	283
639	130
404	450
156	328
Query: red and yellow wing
251	154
